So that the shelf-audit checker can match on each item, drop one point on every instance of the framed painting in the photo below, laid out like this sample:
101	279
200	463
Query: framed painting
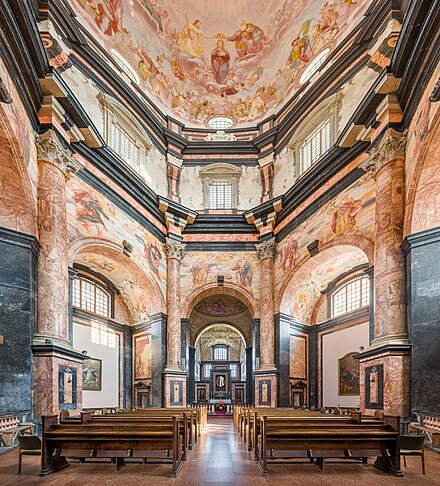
142	351
298	357
348	375
92	374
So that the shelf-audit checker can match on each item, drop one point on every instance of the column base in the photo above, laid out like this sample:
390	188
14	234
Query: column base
174	389
265	388
384	380
57	377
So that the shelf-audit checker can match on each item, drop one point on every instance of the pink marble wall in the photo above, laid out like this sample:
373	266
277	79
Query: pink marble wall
168	379
267	313
273	395
173	313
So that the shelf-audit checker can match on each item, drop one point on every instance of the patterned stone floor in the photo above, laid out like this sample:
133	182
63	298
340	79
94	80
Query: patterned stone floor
218	459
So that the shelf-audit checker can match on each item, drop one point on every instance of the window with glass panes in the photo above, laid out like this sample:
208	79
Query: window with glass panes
221	352
124	145
351	296
314	146
234	370
207	370
90	297
220	195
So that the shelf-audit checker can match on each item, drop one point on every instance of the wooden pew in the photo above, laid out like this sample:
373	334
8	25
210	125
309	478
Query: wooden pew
316	442
109	440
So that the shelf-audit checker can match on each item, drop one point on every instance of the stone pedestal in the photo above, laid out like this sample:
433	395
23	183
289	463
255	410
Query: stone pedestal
56	366
384	367
174	376
266	374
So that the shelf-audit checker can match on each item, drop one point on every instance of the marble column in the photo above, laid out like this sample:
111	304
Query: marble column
175	376
388	354
266	374
57	367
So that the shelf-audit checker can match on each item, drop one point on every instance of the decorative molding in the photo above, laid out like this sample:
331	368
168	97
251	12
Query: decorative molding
174	249
313	248
50	149
392	146
421	238
220	136
435	95
5	96
266	249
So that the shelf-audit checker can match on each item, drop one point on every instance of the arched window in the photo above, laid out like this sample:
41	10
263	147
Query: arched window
351	296
220	186
91	297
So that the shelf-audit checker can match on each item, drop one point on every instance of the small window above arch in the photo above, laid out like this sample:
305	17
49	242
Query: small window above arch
220	186
350	296
91	297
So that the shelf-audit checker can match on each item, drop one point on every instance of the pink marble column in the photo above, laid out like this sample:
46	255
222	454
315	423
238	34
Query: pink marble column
175	377
388	354
55	164
265	376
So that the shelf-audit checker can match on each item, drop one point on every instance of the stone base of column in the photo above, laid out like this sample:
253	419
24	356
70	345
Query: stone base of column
265	388
57	378
174	388
384	380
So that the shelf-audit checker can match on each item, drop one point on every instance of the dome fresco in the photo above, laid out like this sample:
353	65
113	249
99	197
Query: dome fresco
241	59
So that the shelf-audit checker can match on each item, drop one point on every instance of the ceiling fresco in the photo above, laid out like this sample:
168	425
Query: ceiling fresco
220	306
205	58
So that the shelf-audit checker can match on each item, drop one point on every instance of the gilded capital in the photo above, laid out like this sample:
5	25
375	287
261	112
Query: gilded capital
391	147
266	249
50	149
174	249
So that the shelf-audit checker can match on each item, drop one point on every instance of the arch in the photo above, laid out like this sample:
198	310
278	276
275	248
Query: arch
330	250
227	324
229	288
18	205
423	200
114	251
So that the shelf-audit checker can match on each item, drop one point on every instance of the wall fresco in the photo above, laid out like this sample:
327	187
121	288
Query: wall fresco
142	352
220	59
298	357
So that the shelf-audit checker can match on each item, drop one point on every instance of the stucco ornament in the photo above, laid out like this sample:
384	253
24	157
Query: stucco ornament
174	249
220	136
50	149
266	249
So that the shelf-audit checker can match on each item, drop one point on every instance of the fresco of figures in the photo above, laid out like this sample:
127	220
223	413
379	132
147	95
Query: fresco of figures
90	214
199	66
351	214
239	268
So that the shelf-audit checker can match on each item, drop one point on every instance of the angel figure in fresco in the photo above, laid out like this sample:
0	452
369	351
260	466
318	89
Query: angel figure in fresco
146	65
288	254
249	40
257	104
203	110
91	210
189	40
107	10
220	62
300	44
328	20
240	109
344	215
243	272
153	257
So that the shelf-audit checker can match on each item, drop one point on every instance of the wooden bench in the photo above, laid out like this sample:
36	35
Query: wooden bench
282	439
10	427
147	439
430	426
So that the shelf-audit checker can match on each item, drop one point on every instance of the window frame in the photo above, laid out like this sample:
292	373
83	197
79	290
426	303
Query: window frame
206	366
344	285
96	285
220	173
222	347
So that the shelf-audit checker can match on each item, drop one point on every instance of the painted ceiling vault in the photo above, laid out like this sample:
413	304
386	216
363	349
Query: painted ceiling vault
205	58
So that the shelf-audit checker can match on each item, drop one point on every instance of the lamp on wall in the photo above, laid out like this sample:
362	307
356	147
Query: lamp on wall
84	351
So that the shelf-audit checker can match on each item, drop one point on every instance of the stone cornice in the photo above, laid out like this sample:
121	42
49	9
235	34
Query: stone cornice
50	149
174	249
392	146
266	249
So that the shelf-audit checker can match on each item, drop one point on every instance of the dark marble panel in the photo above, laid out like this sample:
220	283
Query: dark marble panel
63	403
176	396
127	359
190	389
17	320
423	289
158	357
376	403
249	376
313	367
282	359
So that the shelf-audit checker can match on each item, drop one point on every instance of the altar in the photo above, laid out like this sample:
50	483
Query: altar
214	404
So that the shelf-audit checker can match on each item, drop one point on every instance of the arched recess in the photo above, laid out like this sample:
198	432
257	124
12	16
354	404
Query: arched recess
18	209
423	201
212	325
141	293
229	288
194	337
316	272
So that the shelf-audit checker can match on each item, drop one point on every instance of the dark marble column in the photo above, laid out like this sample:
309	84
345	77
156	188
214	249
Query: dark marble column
313	362
57	377
249	376
191	376
127	361
390	347
174	376
423	290
18	258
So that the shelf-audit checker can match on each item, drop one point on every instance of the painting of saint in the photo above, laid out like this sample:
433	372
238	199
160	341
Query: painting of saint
299	46
220	62
249	40
297	357
153	257
199	272
92	374
348	375
189	40
91	210
288	254
219	307
301	305
344	215
142	357
243	273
